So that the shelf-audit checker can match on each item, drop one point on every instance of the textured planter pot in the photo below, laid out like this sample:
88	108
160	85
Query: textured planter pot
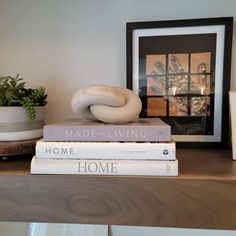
15	124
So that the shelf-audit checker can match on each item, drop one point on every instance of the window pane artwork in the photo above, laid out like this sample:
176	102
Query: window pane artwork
179	70
179	84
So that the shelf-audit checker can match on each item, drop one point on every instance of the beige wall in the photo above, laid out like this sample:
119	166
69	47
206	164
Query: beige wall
67	44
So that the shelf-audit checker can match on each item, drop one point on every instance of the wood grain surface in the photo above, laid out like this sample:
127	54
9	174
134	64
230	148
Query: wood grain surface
203	196
14	148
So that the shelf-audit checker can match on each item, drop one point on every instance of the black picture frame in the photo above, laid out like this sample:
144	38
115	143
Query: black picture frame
181	71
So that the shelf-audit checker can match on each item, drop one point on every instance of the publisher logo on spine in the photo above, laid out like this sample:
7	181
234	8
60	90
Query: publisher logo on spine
165	152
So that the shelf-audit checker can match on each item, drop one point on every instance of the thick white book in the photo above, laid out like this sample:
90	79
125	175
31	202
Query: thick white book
104	167
106	150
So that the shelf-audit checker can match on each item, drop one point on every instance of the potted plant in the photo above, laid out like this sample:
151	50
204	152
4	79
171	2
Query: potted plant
21	110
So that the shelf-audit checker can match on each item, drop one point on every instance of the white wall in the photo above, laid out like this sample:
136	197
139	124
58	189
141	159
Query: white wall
45	229
67	44
49	229
155	231
13	229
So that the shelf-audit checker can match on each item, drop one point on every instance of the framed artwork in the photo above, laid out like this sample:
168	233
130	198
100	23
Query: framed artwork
181	71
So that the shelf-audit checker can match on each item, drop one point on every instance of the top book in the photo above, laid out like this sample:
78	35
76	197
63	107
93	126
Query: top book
144	130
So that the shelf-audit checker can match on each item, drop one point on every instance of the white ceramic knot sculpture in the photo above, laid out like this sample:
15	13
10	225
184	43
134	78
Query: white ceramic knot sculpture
107	104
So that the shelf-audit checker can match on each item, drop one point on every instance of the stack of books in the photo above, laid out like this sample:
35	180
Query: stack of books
85	147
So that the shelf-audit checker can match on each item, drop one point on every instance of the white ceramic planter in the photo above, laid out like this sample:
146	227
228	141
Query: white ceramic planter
15	124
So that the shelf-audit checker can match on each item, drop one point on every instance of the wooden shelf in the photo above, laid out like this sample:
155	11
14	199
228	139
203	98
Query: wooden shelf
202	196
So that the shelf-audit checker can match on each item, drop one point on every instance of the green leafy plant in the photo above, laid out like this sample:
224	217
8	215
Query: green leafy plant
14	93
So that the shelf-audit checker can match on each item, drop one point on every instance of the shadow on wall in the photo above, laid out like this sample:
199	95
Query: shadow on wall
59	99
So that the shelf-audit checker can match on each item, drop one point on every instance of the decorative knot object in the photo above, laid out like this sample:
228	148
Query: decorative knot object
107	104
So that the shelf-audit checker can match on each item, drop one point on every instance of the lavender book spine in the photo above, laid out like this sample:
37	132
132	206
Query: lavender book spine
105	133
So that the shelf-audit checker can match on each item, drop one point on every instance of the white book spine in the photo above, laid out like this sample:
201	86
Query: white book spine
232	100
104	167
106	150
